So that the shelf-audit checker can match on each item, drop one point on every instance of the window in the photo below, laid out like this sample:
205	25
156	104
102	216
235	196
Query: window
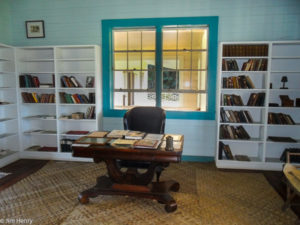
152	62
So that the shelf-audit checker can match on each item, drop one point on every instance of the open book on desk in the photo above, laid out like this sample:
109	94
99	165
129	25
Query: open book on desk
147	143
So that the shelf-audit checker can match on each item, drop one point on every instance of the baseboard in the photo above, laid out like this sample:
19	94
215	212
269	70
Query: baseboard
191	158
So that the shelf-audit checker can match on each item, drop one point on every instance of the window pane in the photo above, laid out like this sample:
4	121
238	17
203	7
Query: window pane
169	39
120	61
170	79
120	80
134	60
132	80
120	40
184	60
199	60
151	77
184	101
134	40
144	98
125	100
140	80
169	60
184	39
185	81
199	39
148	40
148	59
199	80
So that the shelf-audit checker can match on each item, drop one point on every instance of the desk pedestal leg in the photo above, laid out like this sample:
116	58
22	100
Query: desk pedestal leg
155	190
132	183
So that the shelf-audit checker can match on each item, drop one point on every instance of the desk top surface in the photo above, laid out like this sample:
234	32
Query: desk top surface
108	151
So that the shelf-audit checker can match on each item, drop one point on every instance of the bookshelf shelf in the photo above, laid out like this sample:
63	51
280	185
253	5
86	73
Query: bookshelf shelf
38	60
37	103
245	57
281	58
242	107
7	135
76	72
76	104
243	89
244	124
78	88
79	59
78	120
251	140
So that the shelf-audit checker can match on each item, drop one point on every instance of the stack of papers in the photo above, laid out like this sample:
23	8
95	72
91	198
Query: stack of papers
123	143
117	133
135	135
154	136
147	143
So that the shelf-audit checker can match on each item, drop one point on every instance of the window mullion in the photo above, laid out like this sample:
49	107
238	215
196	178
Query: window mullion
158	62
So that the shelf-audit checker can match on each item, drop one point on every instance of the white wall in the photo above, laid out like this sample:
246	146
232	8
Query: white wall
199	136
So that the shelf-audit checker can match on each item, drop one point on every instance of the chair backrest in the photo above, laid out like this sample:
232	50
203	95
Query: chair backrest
146	119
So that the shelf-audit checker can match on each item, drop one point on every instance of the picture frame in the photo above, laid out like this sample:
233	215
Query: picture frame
35	29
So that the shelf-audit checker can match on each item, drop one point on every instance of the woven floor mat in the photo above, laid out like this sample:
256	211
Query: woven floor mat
206	196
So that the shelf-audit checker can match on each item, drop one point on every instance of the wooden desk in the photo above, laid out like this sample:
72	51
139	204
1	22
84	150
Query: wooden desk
131	182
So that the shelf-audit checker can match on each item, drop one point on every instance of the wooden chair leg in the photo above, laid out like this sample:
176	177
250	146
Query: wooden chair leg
289	198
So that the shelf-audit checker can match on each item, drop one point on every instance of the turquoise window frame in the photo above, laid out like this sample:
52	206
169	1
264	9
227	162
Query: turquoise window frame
107	27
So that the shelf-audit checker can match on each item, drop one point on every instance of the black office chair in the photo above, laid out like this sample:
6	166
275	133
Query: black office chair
146	119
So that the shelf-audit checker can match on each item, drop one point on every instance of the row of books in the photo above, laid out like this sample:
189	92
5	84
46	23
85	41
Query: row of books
233	132
245	50
255	65
241	81
69	81
231	116
30	81
255	99
280	118
229	65
37	98
90	113
223	148
250	65
27	80
77	98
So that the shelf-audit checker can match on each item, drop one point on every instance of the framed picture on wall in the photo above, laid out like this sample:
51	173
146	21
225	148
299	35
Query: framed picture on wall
35	29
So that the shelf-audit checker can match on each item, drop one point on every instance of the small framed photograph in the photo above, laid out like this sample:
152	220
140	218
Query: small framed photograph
35	29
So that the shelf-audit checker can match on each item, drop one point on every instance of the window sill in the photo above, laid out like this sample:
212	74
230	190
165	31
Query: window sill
170	114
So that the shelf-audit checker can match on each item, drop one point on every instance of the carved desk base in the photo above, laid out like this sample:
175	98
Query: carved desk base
132	183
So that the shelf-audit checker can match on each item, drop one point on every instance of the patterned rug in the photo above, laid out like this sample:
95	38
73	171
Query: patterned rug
206	196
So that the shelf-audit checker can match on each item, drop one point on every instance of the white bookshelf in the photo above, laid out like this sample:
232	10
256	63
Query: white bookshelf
49	64
283	59
9	138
